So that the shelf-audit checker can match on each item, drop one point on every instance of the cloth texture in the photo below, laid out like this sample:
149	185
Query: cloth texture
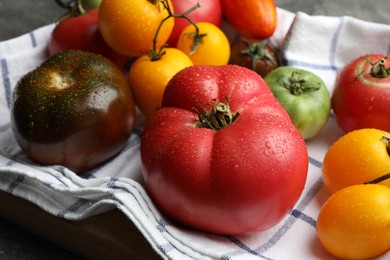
319	44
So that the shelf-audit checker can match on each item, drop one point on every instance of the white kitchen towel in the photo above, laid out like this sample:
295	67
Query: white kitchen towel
316	43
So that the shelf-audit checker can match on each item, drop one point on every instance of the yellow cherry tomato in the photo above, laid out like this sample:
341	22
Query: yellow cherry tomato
148	78
129	26
354	223
213	48
357	157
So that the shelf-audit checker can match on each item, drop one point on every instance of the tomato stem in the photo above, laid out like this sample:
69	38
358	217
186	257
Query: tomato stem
155	54
256	50
74	7
219	116
379	70
297	84
386	140
68	5
198	37
379	179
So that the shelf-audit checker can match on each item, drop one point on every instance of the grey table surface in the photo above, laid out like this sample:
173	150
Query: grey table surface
21	16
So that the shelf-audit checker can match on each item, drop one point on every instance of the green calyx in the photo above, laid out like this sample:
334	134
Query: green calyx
379	69
155	54
77	7
218	117
256	50
296	84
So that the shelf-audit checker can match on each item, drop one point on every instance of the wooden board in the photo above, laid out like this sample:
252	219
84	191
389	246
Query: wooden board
110	235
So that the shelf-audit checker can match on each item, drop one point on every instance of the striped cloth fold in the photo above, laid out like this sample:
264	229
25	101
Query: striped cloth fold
316	43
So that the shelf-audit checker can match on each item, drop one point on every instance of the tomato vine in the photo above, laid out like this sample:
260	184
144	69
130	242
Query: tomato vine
74	7
155	54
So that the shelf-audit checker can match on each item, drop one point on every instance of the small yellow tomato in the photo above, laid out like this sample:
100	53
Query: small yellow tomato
213	47
354	223
357	157
148	78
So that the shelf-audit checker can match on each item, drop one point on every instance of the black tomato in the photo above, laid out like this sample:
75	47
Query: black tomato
257	55
75	110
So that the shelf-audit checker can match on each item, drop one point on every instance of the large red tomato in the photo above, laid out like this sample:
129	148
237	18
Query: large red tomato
209	11
82	33
362	93
251	18
222	155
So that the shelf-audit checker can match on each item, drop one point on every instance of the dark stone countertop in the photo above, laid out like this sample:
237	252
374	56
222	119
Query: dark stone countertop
21	16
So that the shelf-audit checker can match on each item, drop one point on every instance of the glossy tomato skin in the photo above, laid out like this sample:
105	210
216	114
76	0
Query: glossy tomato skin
75	110
148	78
240	179
359	99
214	48
210	11
305	97
82	33
354	223
251	18
357	157
129	27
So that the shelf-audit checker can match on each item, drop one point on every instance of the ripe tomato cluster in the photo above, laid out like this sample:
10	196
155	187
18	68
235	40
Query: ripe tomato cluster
198	107
203	120
354	222
149	29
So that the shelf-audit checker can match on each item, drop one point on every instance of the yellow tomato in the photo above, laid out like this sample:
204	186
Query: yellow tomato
357	157
214	48
129	26
354	223
148	78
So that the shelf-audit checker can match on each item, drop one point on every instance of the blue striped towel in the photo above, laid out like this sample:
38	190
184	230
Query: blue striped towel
316	43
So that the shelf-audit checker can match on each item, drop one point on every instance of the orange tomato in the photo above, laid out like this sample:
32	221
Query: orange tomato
357	157
214	48
148	78
129	27
251	18
354	223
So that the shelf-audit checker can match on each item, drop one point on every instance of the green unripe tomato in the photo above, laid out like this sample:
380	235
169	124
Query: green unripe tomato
303	95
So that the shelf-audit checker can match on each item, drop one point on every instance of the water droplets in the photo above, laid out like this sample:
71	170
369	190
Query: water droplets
276	147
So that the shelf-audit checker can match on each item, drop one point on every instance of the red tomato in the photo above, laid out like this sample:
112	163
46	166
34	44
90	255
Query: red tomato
362	93
251	18
82	33
210	11
233	179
